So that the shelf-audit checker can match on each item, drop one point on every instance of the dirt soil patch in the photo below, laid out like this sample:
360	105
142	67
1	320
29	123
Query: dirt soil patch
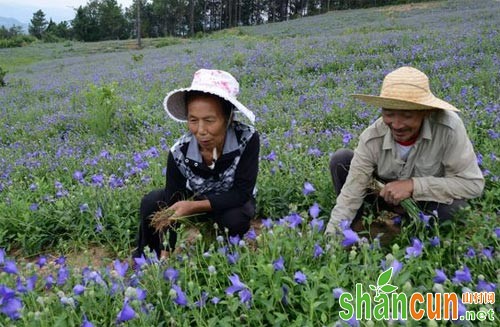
410	6
97	256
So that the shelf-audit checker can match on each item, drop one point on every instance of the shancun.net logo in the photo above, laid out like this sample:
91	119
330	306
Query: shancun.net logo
387	304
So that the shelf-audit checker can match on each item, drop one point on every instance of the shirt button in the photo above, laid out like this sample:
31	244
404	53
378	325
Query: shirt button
196	164
186	161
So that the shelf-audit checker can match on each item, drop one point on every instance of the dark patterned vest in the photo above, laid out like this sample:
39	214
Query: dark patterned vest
237	137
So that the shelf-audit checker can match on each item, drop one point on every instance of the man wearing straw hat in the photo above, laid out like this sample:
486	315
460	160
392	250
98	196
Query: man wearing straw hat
419	148
212	169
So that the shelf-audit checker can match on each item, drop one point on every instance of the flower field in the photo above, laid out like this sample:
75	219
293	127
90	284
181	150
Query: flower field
83	136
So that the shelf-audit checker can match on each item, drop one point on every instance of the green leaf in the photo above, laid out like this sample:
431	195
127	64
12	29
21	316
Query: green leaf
388	288
373	288
384	277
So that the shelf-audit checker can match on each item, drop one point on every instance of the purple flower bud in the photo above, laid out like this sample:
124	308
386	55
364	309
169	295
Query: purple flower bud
346	138
251	235
42	260
284	298
140	262
271	156
202	301
415	250
84	208
424	218
350	237
31	283
234	240
236	285
78	176
470	252
78	289
318	250
488	252
294	220
315	152
233	258
267	223
171	275
396	266
126	314
279	264
180	298
440	276
98	213
62	276
61	260
49	281
10	305
337	292
299	277
97	180
317	225
121	268
462	276
435	241
86	323
314	210
308	188
245	296
484	286
10	267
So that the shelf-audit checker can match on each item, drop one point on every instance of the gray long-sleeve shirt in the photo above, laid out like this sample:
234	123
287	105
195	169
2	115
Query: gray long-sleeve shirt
442	164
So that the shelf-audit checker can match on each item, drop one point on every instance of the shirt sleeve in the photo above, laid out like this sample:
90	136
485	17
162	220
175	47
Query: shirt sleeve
354	190
462	177
244	179
176	182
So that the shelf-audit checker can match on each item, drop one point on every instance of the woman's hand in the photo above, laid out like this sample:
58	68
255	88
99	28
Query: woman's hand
187	208
395	192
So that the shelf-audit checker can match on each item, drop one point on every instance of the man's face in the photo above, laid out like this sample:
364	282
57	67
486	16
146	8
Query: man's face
404	124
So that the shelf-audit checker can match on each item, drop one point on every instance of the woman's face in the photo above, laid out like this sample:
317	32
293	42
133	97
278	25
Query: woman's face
206	120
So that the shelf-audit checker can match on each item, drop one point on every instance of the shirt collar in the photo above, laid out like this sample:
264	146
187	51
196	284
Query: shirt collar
426	132
230	142
193	151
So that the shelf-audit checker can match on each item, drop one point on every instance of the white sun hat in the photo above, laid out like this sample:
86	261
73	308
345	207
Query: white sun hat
406	88
216	82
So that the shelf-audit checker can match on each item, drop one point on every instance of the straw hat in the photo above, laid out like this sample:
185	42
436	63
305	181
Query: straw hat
406	88
216	82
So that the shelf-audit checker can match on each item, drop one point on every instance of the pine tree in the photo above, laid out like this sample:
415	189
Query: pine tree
38	24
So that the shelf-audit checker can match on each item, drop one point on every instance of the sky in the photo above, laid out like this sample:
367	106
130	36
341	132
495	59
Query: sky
58	10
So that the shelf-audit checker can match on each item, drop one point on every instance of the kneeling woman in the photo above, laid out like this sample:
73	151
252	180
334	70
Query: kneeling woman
215	164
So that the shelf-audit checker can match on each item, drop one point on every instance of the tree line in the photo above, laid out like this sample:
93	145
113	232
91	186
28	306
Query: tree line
106	20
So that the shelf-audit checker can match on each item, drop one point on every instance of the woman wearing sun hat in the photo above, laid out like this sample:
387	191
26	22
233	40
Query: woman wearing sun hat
419	148
211	169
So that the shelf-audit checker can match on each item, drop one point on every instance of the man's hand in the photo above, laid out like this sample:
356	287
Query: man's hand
395	192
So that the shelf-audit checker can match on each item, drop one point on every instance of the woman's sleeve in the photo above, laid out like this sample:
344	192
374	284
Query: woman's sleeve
175	183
